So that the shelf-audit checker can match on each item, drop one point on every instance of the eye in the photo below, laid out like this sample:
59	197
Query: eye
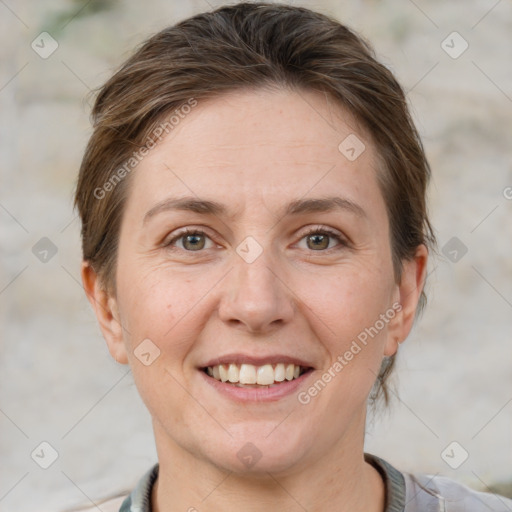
319	239
191	240
194	240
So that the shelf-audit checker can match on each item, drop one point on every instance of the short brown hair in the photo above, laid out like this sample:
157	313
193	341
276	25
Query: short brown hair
251	45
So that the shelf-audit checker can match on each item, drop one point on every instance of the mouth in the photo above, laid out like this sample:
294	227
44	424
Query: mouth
246	375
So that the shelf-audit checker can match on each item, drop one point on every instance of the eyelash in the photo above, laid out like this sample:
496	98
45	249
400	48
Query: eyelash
312	231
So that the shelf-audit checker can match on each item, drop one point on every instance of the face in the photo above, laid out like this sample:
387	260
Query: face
252	249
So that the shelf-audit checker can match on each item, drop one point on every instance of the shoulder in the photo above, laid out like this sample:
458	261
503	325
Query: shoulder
408	492
439	493
138	499
109	505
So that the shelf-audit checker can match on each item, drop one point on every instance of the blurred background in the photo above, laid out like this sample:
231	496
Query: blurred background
58	385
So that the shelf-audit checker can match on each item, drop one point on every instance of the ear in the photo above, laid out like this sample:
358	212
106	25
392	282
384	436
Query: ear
107	312
408	294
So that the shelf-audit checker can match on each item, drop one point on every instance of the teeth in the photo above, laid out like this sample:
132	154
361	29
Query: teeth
279	373
233	373
266	375
248	374
223	373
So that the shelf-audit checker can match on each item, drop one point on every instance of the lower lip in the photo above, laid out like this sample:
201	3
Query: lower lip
262	394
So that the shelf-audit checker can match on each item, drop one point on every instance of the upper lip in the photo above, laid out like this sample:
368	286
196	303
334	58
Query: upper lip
257	361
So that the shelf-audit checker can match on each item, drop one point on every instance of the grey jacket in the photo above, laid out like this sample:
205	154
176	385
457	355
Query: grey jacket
405	492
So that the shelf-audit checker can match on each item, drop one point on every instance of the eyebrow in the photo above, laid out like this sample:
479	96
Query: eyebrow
297	207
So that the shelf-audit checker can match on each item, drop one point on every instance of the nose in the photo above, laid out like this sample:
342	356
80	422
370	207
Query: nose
256	296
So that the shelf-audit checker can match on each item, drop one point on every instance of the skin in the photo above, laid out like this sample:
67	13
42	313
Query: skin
254	152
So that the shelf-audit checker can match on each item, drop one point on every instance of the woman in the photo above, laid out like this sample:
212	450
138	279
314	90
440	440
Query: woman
255	241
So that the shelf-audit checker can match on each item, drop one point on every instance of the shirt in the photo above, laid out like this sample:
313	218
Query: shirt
405	492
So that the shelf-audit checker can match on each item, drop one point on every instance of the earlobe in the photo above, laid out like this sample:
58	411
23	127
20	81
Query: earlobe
409	292
107	312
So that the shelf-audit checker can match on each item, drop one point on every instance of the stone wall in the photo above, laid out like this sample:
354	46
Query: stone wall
58	383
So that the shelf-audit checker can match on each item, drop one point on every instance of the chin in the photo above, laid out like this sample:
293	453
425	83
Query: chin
260	449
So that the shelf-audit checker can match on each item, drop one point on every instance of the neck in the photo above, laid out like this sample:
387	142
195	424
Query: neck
339	480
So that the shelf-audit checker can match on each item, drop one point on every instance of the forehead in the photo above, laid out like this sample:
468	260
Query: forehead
260	145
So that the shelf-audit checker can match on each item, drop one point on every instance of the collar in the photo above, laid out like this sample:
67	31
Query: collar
140	498
394	483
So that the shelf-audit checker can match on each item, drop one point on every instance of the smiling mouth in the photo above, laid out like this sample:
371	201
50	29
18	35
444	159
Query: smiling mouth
251	376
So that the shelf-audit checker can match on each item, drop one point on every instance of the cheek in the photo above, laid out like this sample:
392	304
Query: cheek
351	300
348	312
165	312
164	306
